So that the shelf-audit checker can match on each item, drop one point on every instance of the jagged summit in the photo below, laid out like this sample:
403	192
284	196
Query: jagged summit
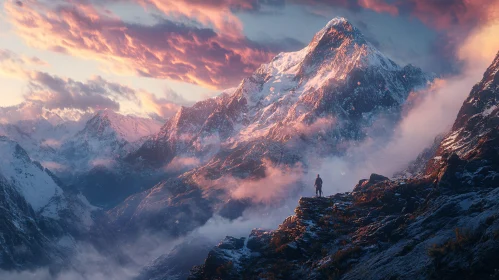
337	21
335	52
336	29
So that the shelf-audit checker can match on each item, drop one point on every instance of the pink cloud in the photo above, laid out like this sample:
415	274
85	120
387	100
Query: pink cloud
215	56
278	182
182	164
51	143
162	107
54	166
105	162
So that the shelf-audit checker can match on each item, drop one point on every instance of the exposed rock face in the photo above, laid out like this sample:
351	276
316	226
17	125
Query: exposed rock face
475	134
443	225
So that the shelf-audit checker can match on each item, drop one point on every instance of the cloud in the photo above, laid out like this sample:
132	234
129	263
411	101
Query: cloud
320	124
53	92
203	42
451	13
162	107
64	93
54	166
16	66
104	162
214	55
480	47
51	143
379	6
49	95
182	164
278	183
261	217
91	263
439	14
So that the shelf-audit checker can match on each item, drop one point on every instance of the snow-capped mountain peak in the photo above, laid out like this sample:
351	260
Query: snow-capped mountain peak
335	51
124	127
338	80
338	49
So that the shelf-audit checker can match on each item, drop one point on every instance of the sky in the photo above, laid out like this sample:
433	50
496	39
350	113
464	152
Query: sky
151	56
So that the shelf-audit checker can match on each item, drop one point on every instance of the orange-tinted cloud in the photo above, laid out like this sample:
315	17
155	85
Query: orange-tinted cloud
379	6
162	107
167	49
202	41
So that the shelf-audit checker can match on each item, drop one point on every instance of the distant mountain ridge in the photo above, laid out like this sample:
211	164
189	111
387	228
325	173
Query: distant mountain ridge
106	135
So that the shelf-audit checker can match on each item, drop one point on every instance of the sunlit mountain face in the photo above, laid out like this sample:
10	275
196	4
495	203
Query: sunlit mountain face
181	140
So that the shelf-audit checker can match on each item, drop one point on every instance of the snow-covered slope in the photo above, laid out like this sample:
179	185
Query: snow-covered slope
29	178
41	138
35	111
39	220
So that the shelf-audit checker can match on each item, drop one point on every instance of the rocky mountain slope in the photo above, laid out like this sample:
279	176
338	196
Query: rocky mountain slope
39	220
440	225
312	103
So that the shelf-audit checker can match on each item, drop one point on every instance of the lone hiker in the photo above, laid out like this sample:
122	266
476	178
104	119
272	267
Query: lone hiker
318	186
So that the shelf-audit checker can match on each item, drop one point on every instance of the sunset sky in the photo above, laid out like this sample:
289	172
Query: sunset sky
150	56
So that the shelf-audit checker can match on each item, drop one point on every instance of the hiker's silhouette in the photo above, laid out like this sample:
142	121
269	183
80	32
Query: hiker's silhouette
318	186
